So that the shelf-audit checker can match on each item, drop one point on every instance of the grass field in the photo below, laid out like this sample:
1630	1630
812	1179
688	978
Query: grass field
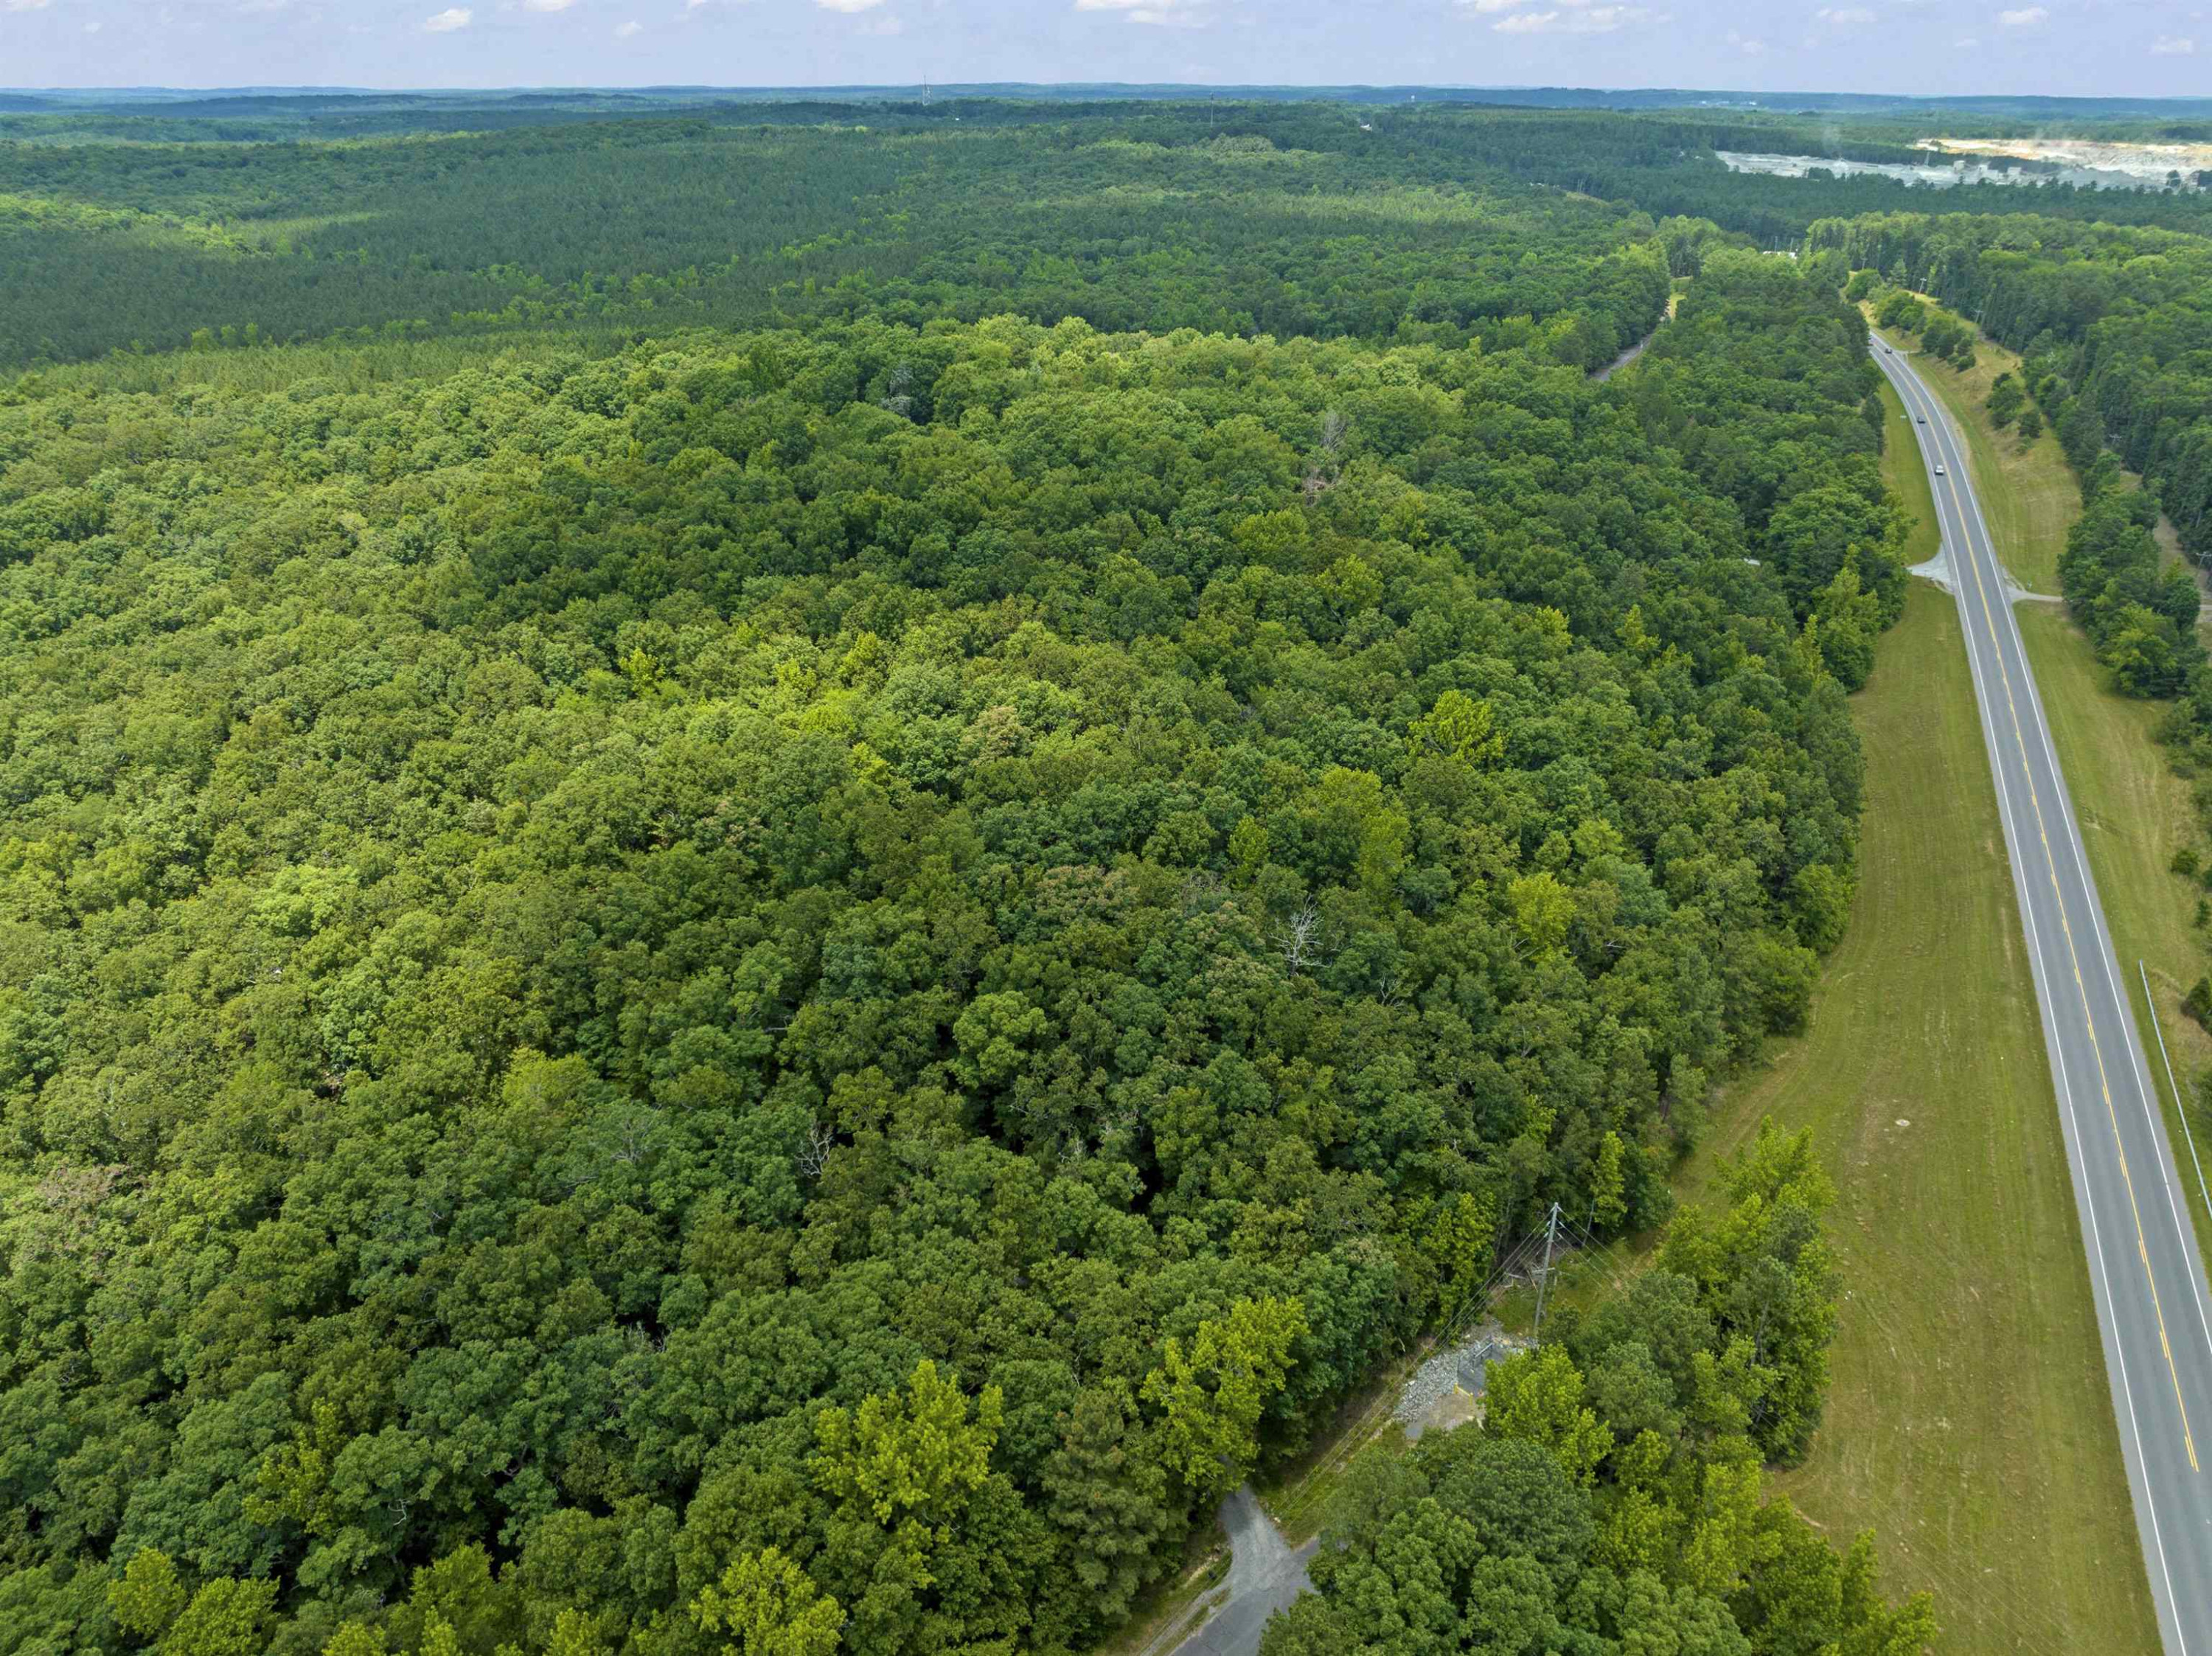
1969	1424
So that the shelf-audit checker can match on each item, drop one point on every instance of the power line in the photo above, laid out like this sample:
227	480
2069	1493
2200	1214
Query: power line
2180	1104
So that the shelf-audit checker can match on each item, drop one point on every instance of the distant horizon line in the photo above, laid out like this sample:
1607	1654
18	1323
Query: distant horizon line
956	87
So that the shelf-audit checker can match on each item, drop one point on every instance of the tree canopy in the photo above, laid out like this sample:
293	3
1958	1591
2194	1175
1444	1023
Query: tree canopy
772	989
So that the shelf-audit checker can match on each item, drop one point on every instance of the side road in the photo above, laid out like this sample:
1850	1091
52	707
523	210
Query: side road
1264	1575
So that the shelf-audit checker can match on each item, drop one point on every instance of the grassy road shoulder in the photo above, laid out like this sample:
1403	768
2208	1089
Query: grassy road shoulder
2134	811
1969	1423
2025	487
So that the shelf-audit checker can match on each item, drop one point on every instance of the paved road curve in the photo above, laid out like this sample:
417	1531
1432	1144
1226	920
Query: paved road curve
2144	1269
1266	1574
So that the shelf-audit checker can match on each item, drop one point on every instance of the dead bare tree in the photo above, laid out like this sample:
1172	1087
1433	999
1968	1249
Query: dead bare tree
1299	936
899	387
814	1154
1321	469
636	1137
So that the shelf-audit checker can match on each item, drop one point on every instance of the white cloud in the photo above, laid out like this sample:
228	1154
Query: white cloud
1845	16
1749	48
447	20
2173	45
1161	14
2026	17
1493	5
548	5
848	5
24	5
623	31
1966	43
1578	19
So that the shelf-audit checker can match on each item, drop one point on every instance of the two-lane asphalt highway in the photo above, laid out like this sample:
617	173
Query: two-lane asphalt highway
2144	1269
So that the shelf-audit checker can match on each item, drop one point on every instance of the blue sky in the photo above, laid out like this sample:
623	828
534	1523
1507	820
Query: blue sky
2086	47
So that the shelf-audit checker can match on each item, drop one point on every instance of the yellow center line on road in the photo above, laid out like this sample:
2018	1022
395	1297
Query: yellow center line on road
2081	989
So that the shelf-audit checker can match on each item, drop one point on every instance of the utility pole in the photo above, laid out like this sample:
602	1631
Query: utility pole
1544	1277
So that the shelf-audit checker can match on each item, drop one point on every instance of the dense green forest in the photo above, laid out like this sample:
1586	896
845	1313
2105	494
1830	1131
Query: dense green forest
1291	222
151	231
763	884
